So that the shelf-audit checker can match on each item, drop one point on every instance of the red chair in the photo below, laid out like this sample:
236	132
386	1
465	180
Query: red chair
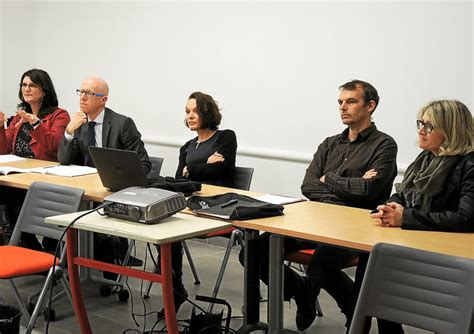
303	257
42	200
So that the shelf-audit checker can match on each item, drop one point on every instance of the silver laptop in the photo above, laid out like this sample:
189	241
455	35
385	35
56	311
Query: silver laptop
118	169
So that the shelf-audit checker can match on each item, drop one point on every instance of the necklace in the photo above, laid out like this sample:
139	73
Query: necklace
203	140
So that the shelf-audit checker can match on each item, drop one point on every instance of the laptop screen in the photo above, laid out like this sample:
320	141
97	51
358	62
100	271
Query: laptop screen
118	169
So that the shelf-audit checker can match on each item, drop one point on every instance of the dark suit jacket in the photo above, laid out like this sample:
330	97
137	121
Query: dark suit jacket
118	131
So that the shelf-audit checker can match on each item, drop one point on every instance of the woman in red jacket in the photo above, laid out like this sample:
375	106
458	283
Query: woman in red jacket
34	132
38	126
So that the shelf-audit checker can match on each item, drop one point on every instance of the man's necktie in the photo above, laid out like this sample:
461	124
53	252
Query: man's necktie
90	142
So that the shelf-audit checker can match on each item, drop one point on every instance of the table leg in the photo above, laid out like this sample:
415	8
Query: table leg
275	285
167	288
251	286
75	283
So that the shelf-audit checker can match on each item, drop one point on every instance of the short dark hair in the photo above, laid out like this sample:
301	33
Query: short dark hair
207	110
370	93
50	99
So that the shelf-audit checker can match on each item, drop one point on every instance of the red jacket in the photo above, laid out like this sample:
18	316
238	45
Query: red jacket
45	138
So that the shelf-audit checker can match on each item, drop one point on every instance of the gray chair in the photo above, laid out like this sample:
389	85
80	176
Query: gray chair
426	290
156	163
42	200
243	177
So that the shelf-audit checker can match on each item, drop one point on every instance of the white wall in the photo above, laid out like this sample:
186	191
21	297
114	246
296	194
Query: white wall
17	48
274	67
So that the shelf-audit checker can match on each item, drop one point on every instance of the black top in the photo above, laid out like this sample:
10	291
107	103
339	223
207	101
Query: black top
345	162
194	156
22	143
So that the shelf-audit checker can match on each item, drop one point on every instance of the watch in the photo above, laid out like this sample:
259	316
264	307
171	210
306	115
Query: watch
35	124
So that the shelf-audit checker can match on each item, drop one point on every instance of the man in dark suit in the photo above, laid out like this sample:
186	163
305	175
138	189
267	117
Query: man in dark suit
96	125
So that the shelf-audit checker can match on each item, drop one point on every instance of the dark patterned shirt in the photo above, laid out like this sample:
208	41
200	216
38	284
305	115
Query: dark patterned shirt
344	163
22	143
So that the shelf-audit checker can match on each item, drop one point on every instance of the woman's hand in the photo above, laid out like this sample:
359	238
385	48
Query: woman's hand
3	119
25	117
389	215
185	171
216	157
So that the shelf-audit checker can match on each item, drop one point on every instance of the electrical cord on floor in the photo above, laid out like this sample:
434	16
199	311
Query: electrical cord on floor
145	313
155	262
134	314
56	256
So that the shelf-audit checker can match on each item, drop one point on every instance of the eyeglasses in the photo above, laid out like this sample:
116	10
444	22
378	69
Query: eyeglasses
428	127
87	93
30	86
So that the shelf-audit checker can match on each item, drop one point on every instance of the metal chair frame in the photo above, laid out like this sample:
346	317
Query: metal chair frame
242	180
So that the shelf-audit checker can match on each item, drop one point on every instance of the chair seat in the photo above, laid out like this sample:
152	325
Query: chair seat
304	256
18	261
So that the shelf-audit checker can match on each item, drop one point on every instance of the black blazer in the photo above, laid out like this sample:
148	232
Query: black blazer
118	131
453	209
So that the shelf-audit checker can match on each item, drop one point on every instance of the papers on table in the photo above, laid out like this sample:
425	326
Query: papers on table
276	199
10	158
69	171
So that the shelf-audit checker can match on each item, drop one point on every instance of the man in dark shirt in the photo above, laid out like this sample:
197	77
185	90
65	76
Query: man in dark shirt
354	168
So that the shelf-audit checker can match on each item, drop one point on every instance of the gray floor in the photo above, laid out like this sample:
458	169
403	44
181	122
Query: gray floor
108	315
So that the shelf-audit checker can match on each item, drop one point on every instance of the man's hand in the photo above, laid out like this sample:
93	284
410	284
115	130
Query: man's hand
77	120
369	174
389	215
25	117
216	157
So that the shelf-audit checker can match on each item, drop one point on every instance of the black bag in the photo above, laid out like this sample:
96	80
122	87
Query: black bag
110	248
185	186
233	206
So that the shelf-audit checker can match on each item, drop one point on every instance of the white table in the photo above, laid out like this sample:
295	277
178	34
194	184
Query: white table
172	229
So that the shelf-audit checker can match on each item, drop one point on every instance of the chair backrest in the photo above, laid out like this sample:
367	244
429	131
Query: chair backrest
242	177
156	163
430	291
45	200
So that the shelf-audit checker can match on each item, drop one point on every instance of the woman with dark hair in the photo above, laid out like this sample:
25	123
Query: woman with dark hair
38	126
210	157
34	132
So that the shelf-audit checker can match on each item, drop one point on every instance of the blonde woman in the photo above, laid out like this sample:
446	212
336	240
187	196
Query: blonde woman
437	192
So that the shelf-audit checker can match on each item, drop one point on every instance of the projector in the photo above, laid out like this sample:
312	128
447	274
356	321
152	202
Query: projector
144	205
